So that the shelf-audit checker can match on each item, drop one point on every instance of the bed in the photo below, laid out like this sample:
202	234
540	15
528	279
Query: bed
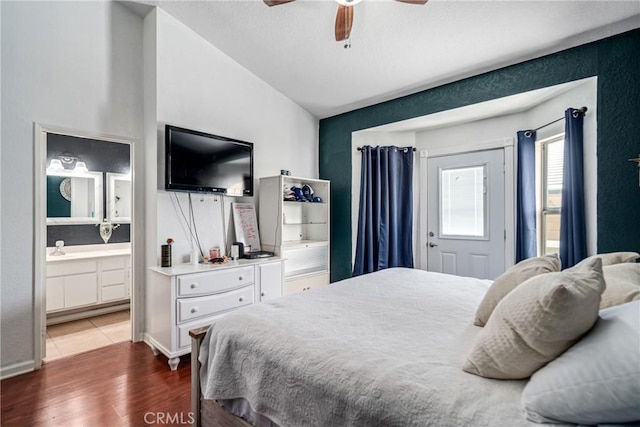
380	349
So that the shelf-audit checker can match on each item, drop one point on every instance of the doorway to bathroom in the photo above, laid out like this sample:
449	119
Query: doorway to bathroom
85	287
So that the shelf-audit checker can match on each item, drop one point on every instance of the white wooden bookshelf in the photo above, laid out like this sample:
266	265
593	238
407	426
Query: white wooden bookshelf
296	231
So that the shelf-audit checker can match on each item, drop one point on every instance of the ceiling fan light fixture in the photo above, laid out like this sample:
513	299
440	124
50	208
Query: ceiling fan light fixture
348	2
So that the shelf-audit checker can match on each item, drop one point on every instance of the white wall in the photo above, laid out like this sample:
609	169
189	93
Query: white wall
95	67
75	65
502	127
227	100
491	131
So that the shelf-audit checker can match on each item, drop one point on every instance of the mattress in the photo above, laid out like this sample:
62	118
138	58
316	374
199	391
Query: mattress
382	349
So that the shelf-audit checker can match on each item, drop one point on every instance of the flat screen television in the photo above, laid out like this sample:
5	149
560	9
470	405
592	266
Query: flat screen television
198	161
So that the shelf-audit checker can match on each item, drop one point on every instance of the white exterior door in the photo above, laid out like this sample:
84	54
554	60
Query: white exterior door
466	214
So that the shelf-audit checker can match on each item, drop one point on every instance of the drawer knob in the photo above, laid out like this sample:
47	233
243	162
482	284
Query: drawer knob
239	277
261	294
194	310
194	285
241	299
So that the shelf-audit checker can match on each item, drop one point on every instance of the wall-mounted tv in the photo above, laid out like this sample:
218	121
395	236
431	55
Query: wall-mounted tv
198	161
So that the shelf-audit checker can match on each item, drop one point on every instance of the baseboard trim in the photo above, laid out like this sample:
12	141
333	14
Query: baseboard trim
56	318
16	369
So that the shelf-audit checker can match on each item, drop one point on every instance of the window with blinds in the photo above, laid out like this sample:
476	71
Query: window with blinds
551	166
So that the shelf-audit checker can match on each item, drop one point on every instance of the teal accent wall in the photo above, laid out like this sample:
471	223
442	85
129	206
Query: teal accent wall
57	206
616	63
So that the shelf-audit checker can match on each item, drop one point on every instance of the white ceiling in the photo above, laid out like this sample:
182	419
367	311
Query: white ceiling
396	48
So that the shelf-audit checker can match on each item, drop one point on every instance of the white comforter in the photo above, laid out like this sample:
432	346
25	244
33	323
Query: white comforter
383	349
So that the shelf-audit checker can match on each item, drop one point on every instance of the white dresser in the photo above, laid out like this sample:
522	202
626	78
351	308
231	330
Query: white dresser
186	297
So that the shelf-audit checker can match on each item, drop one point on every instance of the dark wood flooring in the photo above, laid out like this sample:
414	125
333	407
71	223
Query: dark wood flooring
119	385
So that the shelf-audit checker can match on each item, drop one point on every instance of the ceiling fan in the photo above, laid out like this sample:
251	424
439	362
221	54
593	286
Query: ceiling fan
344	18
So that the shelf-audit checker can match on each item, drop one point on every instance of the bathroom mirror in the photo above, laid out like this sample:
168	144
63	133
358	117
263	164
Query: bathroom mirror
74	197
119	198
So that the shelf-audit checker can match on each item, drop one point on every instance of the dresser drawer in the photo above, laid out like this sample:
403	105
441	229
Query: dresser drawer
193	308
184	340
214	282
292	286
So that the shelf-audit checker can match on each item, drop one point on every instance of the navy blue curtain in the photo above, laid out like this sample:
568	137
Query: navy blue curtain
573	229
526	234
386	210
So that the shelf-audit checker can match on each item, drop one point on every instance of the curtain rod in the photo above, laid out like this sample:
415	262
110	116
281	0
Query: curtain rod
578	111
406	148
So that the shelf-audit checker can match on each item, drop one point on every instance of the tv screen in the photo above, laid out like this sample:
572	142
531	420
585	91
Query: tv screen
198	161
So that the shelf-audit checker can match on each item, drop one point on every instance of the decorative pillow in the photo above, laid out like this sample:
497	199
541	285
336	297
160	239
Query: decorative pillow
511	278
623	284
611	258
597	380
536	322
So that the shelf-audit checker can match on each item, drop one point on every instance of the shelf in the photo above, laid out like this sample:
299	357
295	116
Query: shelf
293	244
298	231
305	223
299	274
297	203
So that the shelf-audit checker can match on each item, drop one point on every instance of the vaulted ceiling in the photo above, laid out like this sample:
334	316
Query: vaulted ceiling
396	48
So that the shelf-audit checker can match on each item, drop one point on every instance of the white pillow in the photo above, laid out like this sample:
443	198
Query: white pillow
512	278
623	284
536	322
610	258
597	381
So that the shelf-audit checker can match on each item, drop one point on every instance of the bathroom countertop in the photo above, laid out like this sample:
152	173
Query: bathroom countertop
90	251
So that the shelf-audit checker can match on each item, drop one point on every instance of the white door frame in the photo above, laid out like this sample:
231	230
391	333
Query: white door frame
507	145
40	233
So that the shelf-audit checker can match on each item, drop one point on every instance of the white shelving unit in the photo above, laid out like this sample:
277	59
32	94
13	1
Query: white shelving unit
296	231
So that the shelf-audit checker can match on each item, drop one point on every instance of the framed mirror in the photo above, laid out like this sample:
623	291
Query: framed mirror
119	198
74	197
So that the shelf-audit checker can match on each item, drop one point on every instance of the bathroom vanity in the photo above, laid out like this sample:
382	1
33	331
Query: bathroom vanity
87	280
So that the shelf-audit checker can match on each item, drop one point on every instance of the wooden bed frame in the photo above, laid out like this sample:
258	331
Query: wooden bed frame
222	416
197	335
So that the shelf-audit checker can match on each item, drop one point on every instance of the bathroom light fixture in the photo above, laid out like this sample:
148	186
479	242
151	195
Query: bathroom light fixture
67	162
80	167
55	166
67	158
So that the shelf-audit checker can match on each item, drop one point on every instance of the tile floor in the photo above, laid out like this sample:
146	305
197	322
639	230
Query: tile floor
78	336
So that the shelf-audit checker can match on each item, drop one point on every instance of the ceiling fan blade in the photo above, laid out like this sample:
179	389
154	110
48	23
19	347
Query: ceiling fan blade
413	1
276	2
344	21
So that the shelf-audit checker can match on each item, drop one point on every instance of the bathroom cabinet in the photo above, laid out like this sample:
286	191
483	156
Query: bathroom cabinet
87	280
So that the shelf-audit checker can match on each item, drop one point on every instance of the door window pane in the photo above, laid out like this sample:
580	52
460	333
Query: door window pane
462	201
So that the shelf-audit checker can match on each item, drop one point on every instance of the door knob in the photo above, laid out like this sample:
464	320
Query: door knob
432	245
